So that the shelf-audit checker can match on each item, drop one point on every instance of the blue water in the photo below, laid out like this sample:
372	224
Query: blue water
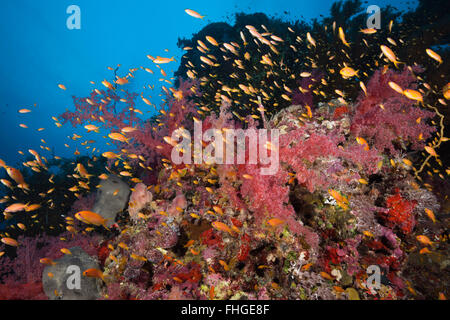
38	51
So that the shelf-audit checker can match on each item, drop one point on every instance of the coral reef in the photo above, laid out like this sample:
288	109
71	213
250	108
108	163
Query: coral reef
357	184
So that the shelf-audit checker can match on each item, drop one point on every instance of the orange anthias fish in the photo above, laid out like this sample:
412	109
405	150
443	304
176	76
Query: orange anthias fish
122	81
424	240
161	60
413	95
430	214
368	31
390	55
10	242
47	261
434	55
222	227
17	176
118	136
342	37
348	72
66	251
194	14
363	142
108	85
431	151
94	273
16	207
90	217
212	41
395	87
91	127
275	222
82	171
341	200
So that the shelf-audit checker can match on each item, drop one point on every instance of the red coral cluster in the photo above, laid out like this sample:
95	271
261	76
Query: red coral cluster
400	213
387	119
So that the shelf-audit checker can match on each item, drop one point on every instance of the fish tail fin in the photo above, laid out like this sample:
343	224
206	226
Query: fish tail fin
396	63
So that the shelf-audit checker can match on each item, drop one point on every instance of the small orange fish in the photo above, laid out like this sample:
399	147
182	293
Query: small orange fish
413	95
338	289
17	176
275	222
194	14
16	207
310	39
118	136
341	200
122	81
348	72
306	267
395	87
94	273
434	55
161	60
123	246
90	217
424	240
91	127
140	258
363	142
368	31
189	243
390	55
430	214
10	242
66	251
21	226
326	275
224	265
222	227
431	151
218	210
47	261
108	85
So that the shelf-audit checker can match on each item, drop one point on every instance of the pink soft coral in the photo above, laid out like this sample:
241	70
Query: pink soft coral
25	271
139	198
385	117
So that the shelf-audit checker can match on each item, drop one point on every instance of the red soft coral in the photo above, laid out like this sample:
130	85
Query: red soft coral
400	213
385	117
